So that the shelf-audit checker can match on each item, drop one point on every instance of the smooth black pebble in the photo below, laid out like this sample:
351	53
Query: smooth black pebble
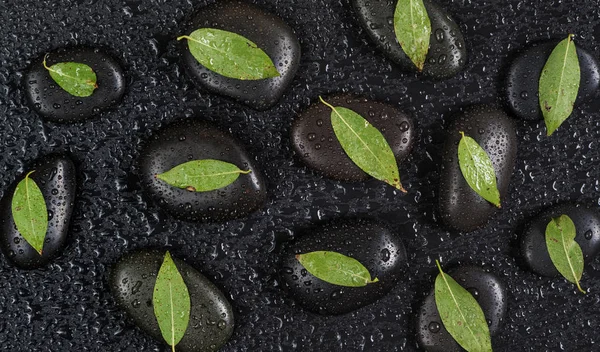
460	207
317	146
54	103
367	241
267	31
55	176
132	282
522	82
485	287
447	51
533	241
189	140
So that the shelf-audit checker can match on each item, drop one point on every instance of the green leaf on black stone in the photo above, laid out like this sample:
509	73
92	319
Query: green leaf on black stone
559	84
564	251
202	175
413	30
461	314
477	169
365	145
230	54
336	268
171	301
30	213
75	78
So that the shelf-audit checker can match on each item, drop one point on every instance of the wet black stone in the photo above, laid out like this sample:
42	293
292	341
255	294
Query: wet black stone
195	140
367	241
488	290
132	282
55	104
522	82
460	207
55	176
267	31
533	241
447	52
316	145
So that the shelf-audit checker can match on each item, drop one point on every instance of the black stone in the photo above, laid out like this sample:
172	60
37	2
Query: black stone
267	31
447	51
485	287
367	241
522	82
194	140
55	176
54	103
132	282
533	242
460	207
316	145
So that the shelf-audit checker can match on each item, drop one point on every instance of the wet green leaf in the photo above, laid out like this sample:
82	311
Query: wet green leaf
202	175
30	213
171	301
478	170
559	84
365	145
230	54
336	268
413	30
564	251
461	314
75	78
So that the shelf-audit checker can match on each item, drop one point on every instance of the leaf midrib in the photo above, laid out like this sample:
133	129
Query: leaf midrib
29	207
562	74
564	245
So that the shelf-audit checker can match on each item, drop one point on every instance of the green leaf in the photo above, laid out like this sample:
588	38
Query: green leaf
477	169
365	145
461	314
413	30
336	268
230	54
559	84
202	175
171	301
76	78
564	251
30	213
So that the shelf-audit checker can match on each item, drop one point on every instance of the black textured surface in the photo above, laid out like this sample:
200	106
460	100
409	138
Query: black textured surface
68	307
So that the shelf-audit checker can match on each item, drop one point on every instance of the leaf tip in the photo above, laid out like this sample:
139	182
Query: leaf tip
373	281
298	257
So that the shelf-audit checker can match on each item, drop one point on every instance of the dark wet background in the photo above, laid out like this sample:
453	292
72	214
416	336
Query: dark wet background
67	306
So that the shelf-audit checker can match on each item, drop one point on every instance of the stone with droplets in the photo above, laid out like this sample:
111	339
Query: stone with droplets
56	178
367	241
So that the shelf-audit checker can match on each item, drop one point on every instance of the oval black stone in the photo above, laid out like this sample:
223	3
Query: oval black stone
54	103
522	82
447	51
367	241
132	282
317	146
488	290
533	242
460	207
267	31
195	140
55	176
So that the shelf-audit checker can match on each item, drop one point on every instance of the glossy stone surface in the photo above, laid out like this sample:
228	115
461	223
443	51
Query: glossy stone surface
132	282
533	241
55	176
189	140
316	144
367	241
460	207
447	51
488	290
267	31
522	81
54	103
